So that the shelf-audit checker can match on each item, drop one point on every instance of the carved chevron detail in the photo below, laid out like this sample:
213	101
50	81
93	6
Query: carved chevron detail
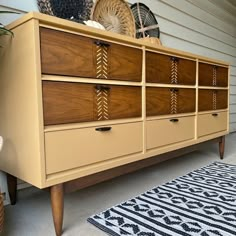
214	100
173	102
214	76
101	62
174	71
102	104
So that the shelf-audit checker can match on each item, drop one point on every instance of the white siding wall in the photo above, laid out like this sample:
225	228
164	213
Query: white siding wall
205	27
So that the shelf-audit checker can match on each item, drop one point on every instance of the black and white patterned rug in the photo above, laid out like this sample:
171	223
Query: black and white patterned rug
202	202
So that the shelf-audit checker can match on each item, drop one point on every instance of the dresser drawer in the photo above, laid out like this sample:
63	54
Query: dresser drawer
212	75
69	149
164	101
212	99
67	102
212	123
74	55
167	69
169	131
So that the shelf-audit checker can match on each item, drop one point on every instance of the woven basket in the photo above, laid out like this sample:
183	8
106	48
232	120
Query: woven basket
151	40
75	10
1	213
115	16
145	21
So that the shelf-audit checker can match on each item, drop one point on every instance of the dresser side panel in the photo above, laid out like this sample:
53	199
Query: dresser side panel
20	119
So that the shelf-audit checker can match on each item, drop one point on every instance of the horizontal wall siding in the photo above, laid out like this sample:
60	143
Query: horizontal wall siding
233	79
233	108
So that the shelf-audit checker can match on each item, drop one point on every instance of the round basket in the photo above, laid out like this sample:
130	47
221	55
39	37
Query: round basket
145	21
75	10
115	16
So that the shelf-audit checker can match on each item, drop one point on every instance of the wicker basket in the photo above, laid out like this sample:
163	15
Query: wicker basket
1	213
75	10
151	40
145	21
115	16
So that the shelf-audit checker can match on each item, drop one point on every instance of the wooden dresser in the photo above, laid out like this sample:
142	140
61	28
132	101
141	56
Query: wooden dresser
77	101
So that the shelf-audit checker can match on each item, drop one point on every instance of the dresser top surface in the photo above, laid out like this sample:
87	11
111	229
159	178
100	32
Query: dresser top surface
52	21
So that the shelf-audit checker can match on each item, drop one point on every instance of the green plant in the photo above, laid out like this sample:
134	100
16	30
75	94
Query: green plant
3	30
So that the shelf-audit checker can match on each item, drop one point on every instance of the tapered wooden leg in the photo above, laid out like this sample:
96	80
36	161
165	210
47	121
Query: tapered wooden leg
222	147
12	183
57	202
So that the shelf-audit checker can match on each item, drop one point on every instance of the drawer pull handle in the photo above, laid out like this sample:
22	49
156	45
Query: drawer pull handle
175	59
174	120
101	43
102	87
214	114
103	129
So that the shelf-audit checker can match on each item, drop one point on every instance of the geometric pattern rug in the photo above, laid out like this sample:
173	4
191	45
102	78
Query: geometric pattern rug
202	202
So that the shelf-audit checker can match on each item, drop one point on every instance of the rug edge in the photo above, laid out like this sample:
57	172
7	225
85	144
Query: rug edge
101	227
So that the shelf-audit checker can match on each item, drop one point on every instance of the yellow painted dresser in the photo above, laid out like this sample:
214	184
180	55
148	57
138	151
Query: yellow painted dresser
78	103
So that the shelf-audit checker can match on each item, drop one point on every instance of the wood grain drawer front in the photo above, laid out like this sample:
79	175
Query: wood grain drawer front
70	149
125	63
163	101
169	69
212	123
66	54
211	75
169	131
210	99
67	102
74	55
124	102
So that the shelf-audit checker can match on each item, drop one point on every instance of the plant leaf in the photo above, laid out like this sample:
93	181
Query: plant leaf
4	31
